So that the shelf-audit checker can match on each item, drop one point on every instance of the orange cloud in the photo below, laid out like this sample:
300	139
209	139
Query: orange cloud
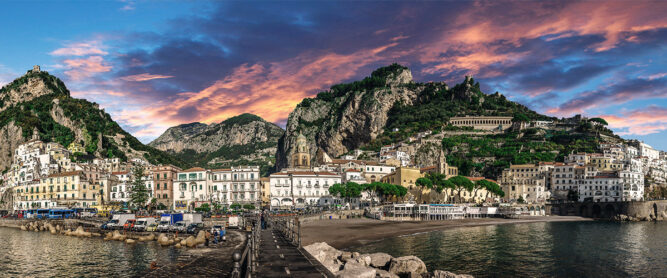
85	67
269	91
144	77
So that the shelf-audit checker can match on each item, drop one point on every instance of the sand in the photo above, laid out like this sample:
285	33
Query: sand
344	233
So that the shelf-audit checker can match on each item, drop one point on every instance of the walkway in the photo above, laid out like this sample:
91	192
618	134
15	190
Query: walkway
279	258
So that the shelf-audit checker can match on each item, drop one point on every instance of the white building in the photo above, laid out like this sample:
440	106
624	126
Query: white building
120	192
190	187
301	188
236	185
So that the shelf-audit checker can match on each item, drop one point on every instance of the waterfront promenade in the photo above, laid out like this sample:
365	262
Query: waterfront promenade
278	257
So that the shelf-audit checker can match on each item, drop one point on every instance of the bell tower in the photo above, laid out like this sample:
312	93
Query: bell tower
301	157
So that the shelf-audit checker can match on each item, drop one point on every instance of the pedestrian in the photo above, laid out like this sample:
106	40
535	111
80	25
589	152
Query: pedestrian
263	221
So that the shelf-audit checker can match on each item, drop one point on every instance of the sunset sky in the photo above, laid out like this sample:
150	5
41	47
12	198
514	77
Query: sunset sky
153	65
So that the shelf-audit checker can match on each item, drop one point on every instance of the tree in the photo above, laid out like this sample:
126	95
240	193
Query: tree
138	191
573	195
520	117
203	208
599	120
235	206
153	204
423	183
462	183
520	200
249	206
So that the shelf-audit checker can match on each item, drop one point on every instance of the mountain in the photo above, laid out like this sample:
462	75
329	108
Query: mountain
38	100
243	139
388	107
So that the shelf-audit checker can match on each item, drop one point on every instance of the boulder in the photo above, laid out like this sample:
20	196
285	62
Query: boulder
381	273
447	274
355	270
345	256
190	241
380	260
201	238
129	241
326	255
178	245
407	266
23	228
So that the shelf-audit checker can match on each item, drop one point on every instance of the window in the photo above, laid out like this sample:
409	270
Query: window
182	176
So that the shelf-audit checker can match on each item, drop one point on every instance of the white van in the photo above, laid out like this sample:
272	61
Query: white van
142	223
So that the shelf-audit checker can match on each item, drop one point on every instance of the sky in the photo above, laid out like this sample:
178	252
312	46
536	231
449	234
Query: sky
153	65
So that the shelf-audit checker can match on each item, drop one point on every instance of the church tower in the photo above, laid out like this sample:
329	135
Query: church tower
301	157
35	134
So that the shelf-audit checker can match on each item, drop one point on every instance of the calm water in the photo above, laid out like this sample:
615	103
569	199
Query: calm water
30	254
565	249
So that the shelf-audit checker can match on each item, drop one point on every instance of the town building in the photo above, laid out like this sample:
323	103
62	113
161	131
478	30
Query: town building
163	179
240	185
190	188
526	181
492	123
298	189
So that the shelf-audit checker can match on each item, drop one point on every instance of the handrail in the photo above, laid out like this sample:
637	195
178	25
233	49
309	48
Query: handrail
245	264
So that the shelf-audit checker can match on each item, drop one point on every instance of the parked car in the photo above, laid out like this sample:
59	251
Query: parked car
129	225
142	223
178	227
152	227
106	226
195	228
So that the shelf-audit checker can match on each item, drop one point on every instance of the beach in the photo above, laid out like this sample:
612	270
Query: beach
345	233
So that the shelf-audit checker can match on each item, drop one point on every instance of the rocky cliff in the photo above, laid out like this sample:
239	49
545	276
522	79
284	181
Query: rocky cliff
348	115
38	100
245	138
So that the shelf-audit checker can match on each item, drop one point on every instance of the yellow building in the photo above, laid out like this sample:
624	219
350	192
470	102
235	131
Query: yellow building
68	189
266	191
603	163
75	147
404	176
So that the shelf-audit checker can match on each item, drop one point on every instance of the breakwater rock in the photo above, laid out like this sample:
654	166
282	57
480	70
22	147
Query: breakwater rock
353	264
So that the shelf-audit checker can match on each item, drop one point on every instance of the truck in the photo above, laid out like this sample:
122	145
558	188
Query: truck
143	223
233	221
192	218
119	220
167	220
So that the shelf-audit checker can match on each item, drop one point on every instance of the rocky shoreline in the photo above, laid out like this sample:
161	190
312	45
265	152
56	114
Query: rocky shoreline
355	265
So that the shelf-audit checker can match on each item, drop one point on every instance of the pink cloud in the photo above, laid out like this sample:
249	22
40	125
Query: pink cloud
477	30
80	49
85	67
652	119
144	77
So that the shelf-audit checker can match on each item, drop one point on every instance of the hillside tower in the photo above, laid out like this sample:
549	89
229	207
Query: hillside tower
301	157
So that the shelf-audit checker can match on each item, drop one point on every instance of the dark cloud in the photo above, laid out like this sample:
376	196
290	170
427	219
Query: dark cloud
621	92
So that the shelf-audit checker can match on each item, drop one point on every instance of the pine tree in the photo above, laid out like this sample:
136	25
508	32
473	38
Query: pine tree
138	191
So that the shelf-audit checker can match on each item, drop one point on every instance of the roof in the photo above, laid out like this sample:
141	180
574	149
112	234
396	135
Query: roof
221	170
427	168
65	174
304	173
343	161
480	178
120	173
352	170
195	169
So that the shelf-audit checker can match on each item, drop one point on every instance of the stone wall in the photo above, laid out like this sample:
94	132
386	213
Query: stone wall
644	210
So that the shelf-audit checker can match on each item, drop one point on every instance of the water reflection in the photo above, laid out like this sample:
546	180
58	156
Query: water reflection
574	249
29	254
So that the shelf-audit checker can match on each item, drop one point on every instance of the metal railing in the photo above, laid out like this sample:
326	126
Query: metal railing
245	264
289	227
